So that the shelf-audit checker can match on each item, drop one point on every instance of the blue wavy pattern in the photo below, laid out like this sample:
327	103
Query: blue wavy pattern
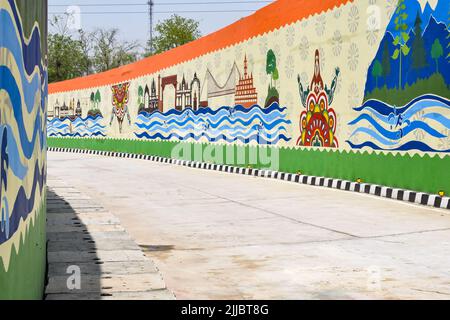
226	124
9	84
79	127
19	136
23	205
411	145
387	126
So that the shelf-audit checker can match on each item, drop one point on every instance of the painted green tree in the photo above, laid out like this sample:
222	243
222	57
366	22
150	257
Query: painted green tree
98	99
418	46
436	52
386	62
377	71
140	95
92	99
271	66
401	40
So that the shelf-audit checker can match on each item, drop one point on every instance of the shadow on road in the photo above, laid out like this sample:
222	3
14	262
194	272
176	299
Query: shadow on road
74	269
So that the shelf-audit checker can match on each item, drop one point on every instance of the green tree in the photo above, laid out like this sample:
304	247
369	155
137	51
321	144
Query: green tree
140	95
92	99
400	41
271	66
109	52
98	99
172	33
436	52
377	71
386	62
66	59
418	45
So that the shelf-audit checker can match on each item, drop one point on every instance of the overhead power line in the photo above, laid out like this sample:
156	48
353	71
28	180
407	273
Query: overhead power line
160	12
161	4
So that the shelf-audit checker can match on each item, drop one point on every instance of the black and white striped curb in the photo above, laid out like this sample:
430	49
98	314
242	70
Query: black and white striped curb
372	189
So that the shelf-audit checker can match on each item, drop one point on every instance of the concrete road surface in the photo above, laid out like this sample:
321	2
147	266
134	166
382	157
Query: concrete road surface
224	236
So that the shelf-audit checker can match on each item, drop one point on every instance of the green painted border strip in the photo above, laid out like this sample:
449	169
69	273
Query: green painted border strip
25	279
423	174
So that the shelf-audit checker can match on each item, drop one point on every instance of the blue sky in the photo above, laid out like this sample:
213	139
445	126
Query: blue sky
135	26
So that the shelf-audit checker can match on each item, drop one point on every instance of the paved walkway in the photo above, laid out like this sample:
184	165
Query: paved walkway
82	234
223	236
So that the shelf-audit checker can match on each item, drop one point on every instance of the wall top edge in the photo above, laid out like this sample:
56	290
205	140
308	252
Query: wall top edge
271	17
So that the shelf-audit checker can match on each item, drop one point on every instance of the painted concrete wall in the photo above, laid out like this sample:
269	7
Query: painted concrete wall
23	101
351	77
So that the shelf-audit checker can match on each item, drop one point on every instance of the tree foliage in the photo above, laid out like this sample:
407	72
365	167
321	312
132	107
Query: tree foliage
377	71
172	33
418	46
79	53
109	52
401	40
436	52
271	66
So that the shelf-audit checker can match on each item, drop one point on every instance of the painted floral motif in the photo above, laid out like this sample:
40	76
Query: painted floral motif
320	24
353	57
304	48
263	45
372	37
290	36
337	43
354	96
353	19
289	67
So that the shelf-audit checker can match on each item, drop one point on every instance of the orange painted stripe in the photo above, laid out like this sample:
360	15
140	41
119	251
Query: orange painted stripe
269	18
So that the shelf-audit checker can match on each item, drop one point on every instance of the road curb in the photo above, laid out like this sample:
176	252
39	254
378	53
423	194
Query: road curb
410	196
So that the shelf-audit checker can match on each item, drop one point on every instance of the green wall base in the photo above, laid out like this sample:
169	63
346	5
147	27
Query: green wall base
25	278
424	174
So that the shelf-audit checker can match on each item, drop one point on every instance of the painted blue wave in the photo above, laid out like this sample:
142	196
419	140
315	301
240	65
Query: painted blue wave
411	145
10	41
385	109
9	84
398	134
439	118
214	120
12	151
218	125
79	135
30	48
380	115
23	205
82	127
205	111
230	124
255	137
78	119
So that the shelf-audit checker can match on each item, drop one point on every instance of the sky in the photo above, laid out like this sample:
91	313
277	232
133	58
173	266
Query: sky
135	26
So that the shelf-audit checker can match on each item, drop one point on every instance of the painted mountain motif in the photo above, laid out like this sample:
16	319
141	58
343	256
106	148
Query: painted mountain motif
406	99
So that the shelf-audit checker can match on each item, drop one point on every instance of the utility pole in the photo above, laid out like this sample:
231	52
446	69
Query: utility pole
150	13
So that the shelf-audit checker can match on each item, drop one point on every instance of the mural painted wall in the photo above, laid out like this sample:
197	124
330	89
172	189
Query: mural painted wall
343	75
23	102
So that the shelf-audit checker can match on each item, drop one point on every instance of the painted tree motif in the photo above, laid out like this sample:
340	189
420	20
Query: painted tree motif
140	95
272	70
418	45
271	66
437	52
386	62
377	71
98	99
401	40
92	99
